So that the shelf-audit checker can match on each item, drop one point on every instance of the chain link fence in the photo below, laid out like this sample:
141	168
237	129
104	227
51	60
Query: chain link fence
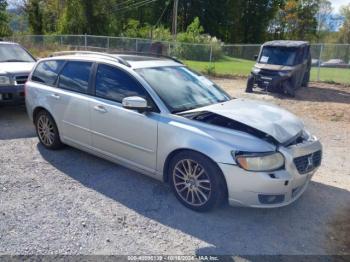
330	62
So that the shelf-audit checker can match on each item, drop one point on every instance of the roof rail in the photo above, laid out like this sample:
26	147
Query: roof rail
118	59
150	54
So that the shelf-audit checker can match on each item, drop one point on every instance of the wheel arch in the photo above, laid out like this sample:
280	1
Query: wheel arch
41	108
177	151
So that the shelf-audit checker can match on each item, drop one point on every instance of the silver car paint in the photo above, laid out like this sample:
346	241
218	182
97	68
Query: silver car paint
143	141
270	119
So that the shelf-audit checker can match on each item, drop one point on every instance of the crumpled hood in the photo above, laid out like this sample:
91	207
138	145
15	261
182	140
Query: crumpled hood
272	120
16	67
273	67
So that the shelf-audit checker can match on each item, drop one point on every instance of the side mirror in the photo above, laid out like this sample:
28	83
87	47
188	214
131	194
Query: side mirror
135	103
255	57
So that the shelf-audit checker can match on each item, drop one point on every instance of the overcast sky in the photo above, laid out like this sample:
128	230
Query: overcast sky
338	3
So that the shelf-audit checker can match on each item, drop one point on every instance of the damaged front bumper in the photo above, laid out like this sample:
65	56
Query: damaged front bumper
277	188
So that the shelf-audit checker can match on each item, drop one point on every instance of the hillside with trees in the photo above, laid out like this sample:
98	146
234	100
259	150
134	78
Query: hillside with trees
231	21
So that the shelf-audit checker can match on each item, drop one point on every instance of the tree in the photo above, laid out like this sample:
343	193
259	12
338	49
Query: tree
73	20
4	19
324	19
296	19
344	32
35	17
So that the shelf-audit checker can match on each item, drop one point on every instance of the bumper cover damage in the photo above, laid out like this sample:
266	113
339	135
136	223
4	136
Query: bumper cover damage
272	189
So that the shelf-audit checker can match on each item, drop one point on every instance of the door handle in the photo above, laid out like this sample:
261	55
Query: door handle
100	109
55	96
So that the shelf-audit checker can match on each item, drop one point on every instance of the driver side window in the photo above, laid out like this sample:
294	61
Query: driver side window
114	84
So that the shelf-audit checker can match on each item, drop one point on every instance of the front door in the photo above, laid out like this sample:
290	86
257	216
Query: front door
126	135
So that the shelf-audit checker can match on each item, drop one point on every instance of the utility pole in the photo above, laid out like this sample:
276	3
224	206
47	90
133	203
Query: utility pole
176	4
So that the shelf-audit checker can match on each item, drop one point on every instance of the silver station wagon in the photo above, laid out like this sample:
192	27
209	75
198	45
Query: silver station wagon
156	116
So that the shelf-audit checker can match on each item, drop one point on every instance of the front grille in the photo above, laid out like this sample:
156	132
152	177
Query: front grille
21	80
268	73
307	163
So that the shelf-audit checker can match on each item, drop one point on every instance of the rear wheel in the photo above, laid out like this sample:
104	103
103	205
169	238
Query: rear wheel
306	79
47	131
196	181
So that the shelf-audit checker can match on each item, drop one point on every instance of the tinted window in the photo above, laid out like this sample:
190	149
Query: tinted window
46	72
112	83
75	76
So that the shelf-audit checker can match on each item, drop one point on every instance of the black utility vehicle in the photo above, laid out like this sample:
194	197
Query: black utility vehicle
282	66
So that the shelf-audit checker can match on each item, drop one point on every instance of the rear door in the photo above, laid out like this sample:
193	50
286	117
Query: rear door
73	102
125	135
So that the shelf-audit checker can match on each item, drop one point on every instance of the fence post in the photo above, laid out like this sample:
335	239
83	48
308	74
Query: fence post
136	45
319	63
211	54
85	40
107	43
61	40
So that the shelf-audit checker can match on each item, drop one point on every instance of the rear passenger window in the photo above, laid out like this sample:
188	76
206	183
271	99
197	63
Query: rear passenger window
75	76
46	72
114	84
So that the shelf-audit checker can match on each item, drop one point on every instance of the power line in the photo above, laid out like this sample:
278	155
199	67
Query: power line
161	16
136	5
124	3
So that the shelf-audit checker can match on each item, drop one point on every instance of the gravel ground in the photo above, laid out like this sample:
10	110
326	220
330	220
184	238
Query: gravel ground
69	202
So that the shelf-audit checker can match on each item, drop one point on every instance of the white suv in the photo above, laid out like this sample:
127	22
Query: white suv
156	116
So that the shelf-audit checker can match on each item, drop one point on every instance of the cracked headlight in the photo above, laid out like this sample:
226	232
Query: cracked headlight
260	161
4	80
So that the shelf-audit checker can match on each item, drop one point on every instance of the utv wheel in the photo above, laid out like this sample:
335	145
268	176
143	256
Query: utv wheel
196	181
288	89
47	131
250	84
306	79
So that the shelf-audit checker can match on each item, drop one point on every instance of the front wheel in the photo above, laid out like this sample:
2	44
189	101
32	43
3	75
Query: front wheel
250	84
47	131
288	89
196	181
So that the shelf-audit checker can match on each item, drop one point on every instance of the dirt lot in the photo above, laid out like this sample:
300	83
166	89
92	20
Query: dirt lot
69	202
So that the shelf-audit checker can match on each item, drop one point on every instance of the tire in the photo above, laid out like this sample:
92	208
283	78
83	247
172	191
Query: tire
204	189
306	79
288	89
250	84
47	132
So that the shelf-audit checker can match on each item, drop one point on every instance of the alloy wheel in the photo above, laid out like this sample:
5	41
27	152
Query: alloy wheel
191	182
46	130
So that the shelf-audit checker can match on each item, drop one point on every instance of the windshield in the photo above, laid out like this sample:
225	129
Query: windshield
14	53
181	89
278	55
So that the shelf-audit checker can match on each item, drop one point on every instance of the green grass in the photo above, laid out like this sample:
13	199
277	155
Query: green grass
229	66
